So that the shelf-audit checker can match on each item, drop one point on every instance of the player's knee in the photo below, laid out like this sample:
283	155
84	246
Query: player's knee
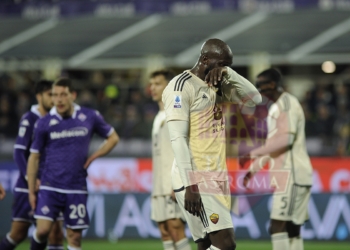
293	230
42	233
74	237
56	236
19	236
277	227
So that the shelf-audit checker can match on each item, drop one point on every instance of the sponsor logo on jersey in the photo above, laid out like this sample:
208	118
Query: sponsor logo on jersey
204	96
82	117
25	122
45	210
74	132
22	131
214	218
177	101
53	122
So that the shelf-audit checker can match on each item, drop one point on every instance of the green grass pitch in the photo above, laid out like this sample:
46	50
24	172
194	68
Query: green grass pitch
156	245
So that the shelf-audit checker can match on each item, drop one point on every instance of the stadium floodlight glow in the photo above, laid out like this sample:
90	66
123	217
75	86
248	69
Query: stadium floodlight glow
328	67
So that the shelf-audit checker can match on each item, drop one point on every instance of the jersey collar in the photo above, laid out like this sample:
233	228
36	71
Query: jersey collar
76	107
35	109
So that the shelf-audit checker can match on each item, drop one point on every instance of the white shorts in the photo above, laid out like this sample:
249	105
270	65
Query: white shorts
291	205
163	208
215	213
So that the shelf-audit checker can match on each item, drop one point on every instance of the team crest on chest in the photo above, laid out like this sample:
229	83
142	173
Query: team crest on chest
82	117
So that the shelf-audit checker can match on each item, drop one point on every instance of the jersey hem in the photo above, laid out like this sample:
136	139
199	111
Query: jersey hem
64	191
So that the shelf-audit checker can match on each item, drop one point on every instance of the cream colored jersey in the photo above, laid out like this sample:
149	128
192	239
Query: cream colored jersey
188	98
162	156
287	116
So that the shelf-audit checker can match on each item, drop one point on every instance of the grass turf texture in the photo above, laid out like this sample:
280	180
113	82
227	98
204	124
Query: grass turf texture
156	245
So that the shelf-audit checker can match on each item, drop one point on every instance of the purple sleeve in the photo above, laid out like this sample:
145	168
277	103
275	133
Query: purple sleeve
20	157
102	128
23	141
25	133
38	144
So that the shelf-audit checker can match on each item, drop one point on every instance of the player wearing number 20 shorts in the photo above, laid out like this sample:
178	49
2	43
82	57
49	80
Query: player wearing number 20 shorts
64	135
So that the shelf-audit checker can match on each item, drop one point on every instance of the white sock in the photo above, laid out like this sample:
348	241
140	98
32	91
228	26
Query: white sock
74	248
50	247
213	248
168	245
10	239
183	244
296	243
280	241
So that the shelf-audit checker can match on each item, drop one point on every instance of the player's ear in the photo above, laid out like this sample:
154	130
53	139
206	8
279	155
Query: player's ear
273	85
205	60
38	97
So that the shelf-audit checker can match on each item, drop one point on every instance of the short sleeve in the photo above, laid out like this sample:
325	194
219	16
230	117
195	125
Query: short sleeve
25	133
40	134
101	127
177	99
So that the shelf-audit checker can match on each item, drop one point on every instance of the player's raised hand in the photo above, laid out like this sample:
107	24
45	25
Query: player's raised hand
246	179
193	201
243	160
214	77
32	200
2	192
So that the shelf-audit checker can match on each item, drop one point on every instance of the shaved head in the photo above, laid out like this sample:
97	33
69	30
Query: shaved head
215	53
216	48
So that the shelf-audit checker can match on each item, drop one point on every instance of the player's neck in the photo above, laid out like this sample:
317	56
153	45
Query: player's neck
277	95
42	110
161	105
198	72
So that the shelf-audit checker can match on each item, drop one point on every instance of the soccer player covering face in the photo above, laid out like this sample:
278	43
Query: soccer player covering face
64	136
165	210
285	149
197	132
22	214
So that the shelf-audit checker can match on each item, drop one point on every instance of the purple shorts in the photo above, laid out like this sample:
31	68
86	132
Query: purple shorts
21	210
73	206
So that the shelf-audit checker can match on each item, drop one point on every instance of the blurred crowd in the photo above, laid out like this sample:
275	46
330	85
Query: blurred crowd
125	102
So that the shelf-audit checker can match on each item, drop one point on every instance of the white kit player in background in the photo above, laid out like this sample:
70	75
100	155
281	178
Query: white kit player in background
285	148
165	210
192	102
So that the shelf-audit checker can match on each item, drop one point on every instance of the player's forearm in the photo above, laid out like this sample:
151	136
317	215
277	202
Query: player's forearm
32	171
274	146
20	158
107	145
246	91
178	131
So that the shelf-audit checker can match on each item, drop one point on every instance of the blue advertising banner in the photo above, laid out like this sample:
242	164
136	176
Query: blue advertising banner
127	215
43	9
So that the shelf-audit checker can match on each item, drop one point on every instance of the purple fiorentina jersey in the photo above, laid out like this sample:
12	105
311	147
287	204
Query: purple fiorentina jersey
66	143
22	146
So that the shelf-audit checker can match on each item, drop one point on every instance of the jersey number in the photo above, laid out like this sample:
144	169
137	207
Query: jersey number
284	200
77	211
